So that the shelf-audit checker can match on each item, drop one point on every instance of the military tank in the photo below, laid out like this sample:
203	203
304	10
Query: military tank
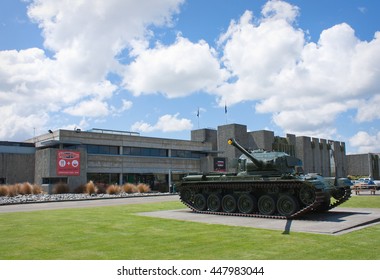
266	185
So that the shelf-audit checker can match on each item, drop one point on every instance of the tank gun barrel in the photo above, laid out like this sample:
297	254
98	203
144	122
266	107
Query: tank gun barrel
257	162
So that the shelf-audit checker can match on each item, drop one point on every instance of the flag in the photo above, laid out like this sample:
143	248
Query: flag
198	113
225	108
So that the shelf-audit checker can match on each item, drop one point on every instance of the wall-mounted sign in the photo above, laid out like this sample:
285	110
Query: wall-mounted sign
68	163
220	164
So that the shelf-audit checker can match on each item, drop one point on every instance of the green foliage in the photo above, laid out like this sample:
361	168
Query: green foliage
116	232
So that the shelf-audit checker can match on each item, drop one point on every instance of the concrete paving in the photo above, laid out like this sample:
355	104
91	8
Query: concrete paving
336	221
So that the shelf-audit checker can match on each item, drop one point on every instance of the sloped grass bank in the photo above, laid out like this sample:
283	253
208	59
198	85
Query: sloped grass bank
107	233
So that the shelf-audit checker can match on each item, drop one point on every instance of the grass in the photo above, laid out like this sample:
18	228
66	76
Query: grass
109	233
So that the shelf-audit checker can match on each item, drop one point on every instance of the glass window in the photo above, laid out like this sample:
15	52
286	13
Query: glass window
102	149
146	152
135	151
114	150
186	154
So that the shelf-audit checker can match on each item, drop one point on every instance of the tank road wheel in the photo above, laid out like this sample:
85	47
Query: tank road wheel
214	202
287	205
247	203
267	205
307	195
229	204
186	195
200	202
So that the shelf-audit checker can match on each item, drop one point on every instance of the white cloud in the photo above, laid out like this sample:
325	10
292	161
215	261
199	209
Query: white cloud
304	85
369	110
89	108
256	54
166	123
175	71
84	39
17	124
126	105
365	142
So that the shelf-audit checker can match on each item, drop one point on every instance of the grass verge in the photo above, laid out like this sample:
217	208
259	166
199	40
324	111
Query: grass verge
107	233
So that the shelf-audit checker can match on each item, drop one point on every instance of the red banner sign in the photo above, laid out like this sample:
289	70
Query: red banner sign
68	163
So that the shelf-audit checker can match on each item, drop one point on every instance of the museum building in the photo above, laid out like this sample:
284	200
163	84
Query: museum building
117	157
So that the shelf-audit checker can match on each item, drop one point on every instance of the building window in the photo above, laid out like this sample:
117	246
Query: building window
103	149
103	178
187	154
55	180
70	147
146	152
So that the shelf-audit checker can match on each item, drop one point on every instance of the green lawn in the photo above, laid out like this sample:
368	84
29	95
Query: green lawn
107	233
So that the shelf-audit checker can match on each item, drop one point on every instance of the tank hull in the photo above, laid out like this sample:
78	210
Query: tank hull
282	198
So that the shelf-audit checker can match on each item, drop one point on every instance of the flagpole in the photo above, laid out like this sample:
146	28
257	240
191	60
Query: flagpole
225	112
198	117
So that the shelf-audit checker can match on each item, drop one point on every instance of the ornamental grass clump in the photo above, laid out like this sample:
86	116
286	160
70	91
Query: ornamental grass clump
13	190
143	188
37	189
25	188
113	189
4	191
61	188
20	189
129	188
90	188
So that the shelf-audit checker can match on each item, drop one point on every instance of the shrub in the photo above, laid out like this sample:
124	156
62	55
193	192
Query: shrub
25	188
80	189
37	189
129	188
4	191
101	188
113	189
60	187
90	188
143	188
13	190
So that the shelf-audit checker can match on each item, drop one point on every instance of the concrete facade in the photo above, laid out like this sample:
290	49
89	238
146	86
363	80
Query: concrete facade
117	157
17	162
364	165
326	157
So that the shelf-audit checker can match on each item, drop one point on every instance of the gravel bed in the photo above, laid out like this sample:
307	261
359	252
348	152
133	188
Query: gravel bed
40	198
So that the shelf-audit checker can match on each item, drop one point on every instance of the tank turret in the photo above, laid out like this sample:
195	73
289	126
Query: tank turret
265	185
265	163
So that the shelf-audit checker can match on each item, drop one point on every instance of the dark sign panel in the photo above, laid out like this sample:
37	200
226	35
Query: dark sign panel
220	164
68	163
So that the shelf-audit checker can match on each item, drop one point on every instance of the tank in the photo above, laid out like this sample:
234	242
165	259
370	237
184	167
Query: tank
265	184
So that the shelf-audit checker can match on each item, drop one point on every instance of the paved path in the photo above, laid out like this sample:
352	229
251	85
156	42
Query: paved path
86	203
336	221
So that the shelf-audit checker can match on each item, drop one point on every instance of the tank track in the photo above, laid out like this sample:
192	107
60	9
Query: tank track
344	198
319	197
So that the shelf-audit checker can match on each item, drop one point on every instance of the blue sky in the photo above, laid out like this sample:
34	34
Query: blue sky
310	68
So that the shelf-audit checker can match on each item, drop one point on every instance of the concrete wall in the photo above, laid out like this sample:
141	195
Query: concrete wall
322	156
17	168
46	167
262	139
206	135
237	131
364	165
